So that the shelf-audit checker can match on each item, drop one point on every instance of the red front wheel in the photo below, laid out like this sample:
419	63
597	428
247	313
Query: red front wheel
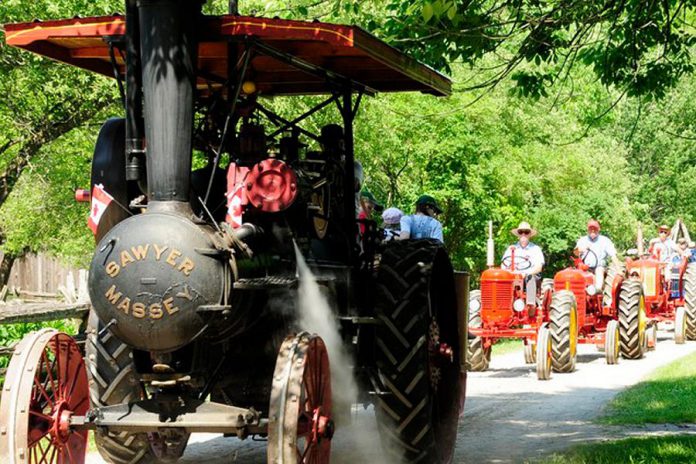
45	386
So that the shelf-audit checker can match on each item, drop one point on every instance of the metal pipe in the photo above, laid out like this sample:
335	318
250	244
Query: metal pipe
490	246
461	285
168	49
135	126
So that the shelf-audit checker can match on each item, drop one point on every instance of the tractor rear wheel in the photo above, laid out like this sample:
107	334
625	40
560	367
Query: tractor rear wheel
417	353
478	356
111	381
690	301
632	320
563	325
612	271
546	284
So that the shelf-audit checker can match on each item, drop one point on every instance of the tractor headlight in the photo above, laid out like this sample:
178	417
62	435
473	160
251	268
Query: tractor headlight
518	305
591	290
474	305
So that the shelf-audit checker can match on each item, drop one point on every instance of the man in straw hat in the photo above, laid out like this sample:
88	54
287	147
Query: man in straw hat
594	249
529	260
662	246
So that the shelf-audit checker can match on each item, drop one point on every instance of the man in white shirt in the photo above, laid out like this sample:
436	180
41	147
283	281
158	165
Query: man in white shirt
528	261
594	249
663	247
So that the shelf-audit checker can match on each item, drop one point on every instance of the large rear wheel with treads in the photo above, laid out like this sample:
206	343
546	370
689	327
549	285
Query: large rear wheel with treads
690	301
478	355
417	353
632	320
112	381
613	271
563	325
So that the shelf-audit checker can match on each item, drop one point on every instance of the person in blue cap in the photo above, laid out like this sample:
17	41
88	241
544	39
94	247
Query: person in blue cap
424	223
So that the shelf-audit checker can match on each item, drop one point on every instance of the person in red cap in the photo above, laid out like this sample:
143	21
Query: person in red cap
663	247
595	249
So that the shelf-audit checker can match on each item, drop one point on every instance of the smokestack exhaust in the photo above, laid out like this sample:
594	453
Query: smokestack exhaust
168	50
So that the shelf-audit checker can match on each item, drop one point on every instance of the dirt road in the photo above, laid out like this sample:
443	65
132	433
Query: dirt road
510	415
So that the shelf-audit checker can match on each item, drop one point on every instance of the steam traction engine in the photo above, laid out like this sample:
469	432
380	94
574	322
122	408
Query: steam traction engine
612	318
199	196
499	311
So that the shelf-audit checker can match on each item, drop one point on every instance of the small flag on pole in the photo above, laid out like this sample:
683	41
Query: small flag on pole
100	200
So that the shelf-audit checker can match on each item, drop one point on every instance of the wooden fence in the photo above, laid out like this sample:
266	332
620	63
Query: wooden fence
46	290
39	274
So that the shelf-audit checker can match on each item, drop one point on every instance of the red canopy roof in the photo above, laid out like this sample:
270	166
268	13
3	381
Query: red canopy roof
344	50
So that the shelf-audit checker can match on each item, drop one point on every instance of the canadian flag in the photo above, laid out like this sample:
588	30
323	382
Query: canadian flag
100	200
234	207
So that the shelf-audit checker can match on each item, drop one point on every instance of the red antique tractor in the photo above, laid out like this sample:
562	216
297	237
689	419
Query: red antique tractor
613	318
195	322
664	288
499	311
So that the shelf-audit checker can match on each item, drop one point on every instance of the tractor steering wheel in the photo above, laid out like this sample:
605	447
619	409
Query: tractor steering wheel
585	256
524	263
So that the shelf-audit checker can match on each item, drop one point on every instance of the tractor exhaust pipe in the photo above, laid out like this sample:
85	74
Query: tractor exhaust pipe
639	240
168	50
490	246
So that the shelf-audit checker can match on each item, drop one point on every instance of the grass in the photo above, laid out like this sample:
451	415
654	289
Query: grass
507	345
653	450
666	396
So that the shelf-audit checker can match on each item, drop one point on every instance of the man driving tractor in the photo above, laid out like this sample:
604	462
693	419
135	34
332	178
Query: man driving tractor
594	249
528	260
662	246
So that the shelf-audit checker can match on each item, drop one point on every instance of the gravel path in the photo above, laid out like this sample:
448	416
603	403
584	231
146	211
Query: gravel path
510	416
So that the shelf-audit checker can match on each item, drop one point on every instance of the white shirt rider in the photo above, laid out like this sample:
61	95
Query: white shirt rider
663	246
529	259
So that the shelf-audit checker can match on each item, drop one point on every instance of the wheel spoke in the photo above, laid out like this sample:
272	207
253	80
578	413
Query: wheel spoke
49	370
43	392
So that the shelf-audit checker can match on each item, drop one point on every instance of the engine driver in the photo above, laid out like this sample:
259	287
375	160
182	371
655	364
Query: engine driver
528	261
594	249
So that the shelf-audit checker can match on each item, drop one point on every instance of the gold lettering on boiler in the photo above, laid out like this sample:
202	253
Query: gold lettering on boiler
174	258
140	310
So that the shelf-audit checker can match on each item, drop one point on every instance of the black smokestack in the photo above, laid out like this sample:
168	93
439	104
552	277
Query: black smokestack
168	47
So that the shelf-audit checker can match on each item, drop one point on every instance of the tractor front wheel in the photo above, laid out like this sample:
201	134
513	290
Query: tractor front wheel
563	325
632	320
680	325
543	353
529	352
611	343
478	356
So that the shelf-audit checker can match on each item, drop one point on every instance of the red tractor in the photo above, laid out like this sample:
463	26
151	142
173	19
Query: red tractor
664	288
499	311
613	317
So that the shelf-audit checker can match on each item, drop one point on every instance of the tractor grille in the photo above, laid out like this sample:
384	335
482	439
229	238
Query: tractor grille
649	281
578	289
496	296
